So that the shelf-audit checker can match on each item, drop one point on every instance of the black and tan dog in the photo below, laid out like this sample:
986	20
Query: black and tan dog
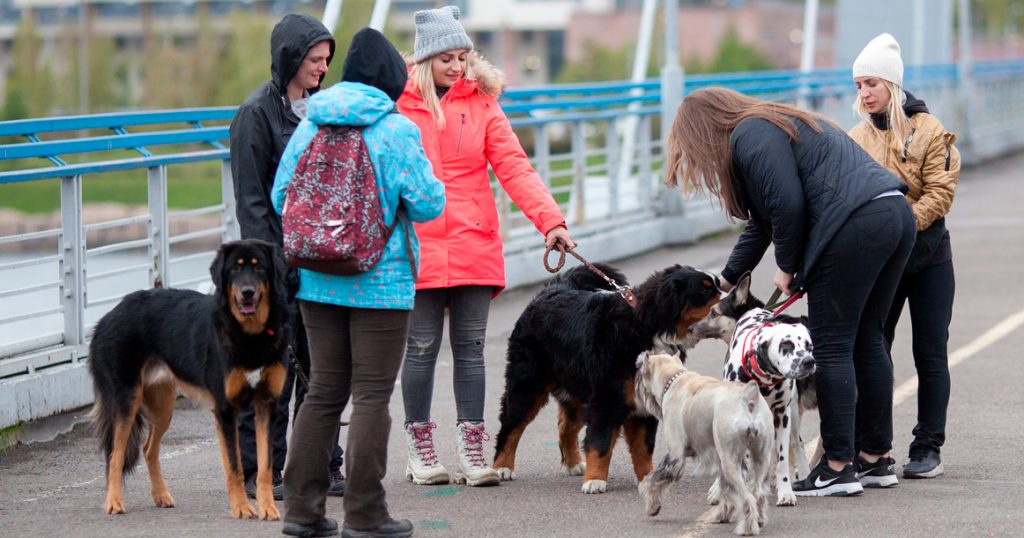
578	341
227	350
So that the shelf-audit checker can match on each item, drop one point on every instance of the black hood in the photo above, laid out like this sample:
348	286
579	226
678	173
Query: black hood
290	41
911	106
374	61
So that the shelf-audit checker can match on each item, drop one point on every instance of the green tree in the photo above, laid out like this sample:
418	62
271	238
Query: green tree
246	58
29	89
602	63
733	55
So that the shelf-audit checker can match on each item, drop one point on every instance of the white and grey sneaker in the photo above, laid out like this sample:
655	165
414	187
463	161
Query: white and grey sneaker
879	474
924	463
422	466
824	482
471	467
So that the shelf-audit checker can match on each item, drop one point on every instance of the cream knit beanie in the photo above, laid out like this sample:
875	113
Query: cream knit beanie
880	58
438	30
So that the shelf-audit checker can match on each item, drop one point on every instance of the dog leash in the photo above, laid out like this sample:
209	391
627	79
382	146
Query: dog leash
302	375
776	307
625	292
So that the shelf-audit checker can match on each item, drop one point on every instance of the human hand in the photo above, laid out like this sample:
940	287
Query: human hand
724	284
559	234
783	281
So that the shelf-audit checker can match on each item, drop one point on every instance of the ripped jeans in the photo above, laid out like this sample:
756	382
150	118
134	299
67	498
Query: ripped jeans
468	307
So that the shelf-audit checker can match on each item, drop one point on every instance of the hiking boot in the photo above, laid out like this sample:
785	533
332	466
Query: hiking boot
924	463
471	468
276	480
423	467
824	482
325	527
338	483
879	474
389	529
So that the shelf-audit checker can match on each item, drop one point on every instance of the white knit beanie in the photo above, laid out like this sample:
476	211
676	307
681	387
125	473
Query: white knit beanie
438	30
880	58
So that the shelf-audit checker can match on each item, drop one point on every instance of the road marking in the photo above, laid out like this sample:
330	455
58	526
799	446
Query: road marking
906	389
163	457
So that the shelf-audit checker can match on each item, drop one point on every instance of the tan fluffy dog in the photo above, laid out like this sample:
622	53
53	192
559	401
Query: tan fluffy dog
717	423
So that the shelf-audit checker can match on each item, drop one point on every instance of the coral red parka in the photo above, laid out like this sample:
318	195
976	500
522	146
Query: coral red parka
463	246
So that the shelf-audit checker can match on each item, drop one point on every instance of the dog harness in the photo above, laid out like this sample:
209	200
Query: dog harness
750	364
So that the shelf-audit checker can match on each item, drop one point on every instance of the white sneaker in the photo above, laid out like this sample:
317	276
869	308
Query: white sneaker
423	467
471	468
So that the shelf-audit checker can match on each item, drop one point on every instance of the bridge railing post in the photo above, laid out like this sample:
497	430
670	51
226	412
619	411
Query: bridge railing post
72	260
645	161
159	233
227	195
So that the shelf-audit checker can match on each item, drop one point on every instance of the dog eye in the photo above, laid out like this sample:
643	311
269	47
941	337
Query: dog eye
713	314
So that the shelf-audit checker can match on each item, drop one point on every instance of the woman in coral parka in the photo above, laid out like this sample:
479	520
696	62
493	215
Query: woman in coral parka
451	95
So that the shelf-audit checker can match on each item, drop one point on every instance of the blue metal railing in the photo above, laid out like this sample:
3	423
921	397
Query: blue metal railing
595	144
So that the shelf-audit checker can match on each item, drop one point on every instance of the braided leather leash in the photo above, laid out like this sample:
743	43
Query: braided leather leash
625	292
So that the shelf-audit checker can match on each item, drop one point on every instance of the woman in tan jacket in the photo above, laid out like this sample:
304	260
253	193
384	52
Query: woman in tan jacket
899	133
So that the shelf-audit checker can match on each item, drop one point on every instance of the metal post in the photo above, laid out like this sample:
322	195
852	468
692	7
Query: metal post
579	166
227	194
643	54
918	53
645	177
611	143
965	68
380	14
671	92
72	263
807	49
159	234
83	59
542	153
332	9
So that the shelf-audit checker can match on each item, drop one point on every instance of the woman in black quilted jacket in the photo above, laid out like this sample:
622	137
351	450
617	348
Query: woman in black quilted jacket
842	232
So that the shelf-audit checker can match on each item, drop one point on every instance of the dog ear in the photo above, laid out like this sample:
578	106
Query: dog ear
742	292
217	268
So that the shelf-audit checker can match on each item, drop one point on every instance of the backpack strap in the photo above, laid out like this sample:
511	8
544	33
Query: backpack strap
400	216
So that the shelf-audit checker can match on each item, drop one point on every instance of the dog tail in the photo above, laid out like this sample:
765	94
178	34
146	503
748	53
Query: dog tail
751	398
105	416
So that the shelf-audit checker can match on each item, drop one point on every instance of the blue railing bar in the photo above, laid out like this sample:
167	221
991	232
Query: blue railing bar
30	315
53	159
118	271
108	121
189	257
110	166
117	247
590	116
529	106
195	235
215	143
115	223
586	88
121	131
106	143
197	211
30	262
29	236
30	289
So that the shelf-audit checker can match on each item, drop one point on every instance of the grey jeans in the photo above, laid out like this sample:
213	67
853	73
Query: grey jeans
468	307
355	353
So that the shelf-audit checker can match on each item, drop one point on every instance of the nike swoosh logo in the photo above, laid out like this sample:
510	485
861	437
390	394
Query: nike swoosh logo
819	483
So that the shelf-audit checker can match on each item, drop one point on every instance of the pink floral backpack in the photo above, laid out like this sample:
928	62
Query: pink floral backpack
332	218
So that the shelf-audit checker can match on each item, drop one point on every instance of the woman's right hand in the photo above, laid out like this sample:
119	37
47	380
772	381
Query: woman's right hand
724	284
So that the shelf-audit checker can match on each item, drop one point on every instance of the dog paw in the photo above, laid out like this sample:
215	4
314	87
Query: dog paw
506	474
114	505
575	470
715	493
163	499
594	486
242	510
786	499
269	513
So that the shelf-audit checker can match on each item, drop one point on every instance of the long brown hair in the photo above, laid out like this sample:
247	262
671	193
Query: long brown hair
699	150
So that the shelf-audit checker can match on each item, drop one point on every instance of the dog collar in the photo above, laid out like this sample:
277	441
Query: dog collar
750	364
670	381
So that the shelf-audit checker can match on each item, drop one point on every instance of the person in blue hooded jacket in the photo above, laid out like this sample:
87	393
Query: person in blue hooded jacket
357	325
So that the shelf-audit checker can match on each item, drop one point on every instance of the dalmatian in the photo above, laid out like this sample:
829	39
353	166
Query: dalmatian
776	352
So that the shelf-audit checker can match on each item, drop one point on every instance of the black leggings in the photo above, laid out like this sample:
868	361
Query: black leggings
849	296
930	292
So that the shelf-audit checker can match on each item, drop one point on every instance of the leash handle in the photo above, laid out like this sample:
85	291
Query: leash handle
792	299
624	291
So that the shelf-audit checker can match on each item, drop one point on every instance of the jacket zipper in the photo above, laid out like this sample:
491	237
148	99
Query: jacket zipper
906	145
458	145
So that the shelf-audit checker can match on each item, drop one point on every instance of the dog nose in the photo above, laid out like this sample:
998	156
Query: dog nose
248	293
808	362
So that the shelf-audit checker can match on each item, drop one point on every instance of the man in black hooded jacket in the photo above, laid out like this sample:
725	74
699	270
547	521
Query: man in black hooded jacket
301	49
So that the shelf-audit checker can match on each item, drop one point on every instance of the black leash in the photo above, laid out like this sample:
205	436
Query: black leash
625	292
302	375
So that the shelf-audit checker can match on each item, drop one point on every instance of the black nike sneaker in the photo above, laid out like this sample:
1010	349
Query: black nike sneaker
824	482
879	474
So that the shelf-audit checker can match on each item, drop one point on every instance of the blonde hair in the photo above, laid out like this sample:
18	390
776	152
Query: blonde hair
423	82
899	124
699	150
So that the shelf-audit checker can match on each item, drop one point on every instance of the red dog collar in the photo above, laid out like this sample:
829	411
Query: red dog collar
749	361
